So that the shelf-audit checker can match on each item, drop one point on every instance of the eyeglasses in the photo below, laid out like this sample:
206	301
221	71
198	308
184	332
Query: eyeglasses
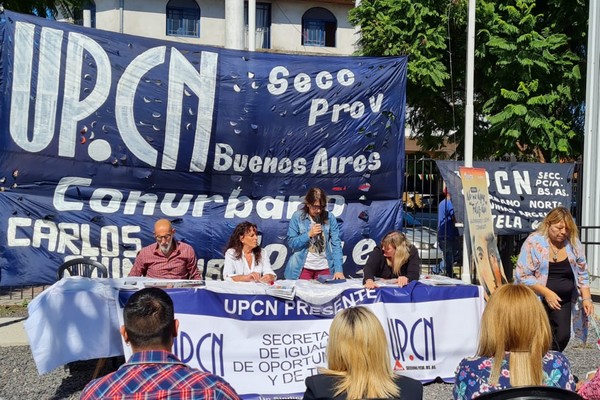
165	237
315	207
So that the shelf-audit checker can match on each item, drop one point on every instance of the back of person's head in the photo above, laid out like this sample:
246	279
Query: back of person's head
357	352
149	319
514	320
398	241
556	215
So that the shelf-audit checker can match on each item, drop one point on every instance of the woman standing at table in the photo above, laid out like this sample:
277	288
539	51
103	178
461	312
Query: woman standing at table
358	363
245	260
552	263
395	258
314	238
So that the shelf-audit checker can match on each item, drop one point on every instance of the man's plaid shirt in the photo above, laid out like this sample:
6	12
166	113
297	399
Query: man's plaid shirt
153	375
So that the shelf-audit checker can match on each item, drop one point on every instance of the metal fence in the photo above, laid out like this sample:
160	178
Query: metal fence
19	295
423	191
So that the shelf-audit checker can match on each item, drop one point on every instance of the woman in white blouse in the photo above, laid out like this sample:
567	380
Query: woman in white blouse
245	260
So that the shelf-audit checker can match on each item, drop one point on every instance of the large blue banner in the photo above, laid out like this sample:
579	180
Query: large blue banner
101	134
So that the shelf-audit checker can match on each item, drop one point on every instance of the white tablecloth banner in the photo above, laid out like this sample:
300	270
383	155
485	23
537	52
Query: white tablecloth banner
266	346
72	320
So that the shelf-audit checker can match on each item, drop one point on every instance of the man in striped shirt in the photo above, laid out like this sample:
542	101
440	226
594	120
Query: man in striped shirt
153	372
167	258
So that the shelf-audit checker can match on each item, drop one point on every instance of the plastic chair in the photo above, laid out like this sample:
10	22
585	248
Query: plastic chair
82	267
214	272
531	393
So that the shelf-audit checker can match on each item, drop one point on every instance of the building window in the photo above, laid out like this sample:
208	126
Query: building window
263	25
183	18
318	28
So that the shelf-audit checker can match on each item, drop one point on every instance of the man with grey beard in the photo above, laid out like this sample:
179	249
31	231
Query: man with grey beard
167	258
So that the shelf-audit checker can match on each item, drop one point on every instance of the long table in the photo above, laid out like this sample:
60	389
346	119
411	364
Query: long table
262	345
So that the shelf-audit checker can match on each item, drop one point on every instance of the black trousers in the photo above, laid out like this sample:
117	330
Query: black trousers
560	324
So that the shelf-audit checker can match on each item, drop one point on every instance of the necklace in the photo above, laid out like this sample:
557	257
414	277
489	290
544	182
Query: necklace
554	252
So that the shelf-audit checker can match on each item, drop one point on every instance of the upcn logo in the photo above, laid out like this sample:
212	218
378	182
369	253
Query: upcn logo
207	351
82	51
415	343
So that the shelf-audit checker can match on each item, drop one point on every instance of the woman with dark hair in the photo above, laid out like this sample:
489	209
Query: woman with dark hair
314	238
245	260
396	259
358	363
552	263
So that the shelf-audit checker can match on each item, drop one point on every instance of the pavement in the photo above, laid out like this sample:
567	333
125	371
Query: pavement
12	332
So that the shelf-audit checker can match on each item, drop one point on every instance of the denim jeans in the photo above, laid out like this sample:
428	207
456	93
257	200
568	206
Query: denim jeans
449	248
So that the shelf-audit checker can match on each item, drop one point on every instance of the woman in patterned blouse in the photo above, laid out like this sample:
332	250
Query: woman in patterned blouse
514	348
552	263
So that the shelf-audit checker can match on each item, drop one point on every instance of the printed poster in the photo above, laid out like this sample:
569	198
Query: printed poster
483	241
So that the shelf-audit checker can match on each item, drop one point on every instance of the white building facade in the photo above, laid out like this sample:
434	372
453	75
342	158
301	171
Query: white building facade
316	27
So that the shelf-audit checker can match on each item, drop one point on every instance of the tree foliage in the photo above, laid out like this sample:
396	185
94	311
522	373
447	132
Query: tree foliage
529	58
71	9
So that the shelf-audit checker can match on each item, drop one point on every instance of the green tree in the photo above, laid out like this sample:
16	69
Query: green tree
418	29
71	9
528	80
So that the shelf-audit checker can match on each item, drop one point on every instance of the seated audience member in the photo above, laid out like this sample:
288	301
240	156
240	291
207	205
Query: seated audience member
167	258
245	260
396	258
153	371
590	388
358	362
514	348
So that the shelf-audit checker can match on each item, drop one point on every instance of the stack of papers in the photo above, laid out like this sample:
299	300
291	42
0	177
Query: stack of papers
282	291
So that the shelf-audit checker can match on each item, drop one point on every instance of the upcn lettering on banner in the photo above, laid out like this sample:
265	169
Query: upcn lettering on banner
105	133
521	194
414	343
182	76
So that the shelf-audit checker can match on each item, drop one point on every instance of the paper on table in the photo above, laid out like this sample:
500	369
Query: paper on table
439	280
386	282
168	283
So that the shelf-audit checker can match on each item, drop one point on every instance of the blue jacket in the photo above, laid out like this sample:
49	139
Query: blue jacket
298	240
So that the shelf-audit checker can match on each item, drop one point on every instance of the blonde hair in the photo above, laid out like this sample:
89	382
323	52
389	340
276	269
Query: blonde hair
557	215
398	241
515	321
357	352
